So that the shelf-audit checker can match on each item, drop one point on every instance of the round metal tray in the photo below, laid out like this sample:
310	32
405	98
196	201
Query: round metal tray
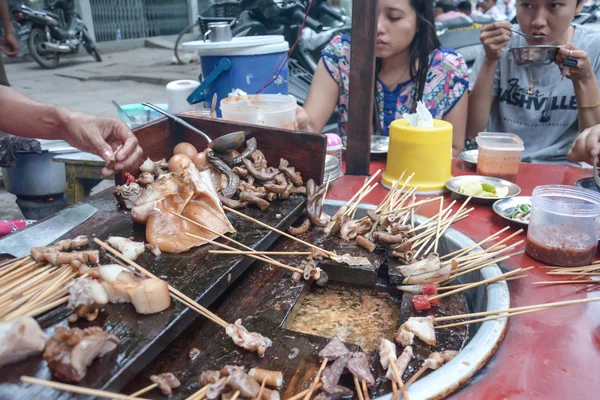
485	337
454	184
505	206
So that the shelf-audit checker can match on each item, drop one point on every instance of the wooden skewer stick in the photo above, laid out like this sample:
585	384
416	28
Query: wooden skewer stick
11	261
261	253
264	381
352	210
466	250
77	389
397	376
20	271
235	395
219	234
365	390
445	228
384	203
576	274
174	292
365	185
475	321
437	231
314	384
12	266
331	254
481	266
465	284
433	220
577	282
506	239
475	284
144	390
47	307
394	391
199	394
358	389
302	393
413	378
324	195
249	254
517	309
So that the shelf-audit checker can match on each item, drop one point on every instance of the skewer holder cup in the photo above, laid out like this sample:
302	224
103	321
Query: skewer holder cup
426	152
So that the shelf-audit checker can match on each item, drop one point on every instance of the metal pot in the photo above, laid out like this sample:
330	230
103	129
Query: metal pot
35	175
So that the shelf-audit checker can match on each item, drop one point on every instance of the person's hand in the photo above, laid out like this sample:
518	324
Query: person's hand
302	119
110	138
587	146
494	38
583	71
10	44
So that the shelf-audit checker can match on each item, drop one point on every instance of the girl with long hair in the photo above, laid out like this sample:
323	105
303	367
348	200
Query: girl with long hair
411	66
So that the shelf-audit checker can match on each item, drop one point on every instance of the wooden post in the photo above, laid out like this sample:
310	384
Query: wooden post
362	84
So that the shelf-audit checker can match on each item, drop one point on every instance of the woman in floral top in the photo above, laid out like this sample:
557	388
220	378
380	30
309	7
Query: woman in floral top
410	66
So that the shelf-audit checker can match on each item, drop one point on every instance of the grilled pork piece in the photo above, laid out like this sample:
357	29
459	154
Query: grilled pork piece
71	351
86	297
127	247
248	387
251	341
62	245
331	375
358	365
401	364
387	351
209	377
20	338
150	296
334	349
166	382
421	327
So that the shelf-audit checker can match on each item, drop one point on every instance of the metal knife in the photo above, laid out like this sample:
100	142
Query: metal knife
43	233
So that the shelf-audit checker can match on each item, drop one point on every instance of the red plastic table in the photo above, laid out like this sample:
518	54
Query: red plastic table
552	354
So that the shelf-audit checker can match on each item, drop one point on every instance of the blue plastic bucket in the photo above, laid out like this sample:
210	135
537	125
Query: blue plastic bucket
245	63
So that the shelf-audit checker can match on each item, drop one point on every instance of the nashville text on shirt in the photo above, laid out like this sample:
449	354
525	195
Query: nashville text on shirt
520	97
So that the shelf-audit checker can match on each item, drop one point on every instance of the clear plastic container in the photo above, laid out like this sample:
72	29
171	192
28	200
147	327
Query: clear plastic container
278	111
564	225
499	155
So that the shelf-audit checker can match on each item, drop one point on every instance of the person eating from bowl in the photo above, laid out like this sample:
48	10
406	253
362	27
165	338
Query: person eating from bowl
536	102
22	116
410	66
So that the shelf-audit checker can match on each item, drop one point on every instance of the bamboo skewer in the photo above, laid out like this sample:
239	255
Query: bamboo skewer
460	252
316	381
437	231
199	394
174	292
264	381
367	183
465	284
365	390
576	281
261	253
358	389
6	268
48	307
11	261
302	393
452	219
474	321
397	375
413	379
144	390
331	254
481	264
249	254
352	210
483	282
219	234
77	389
324	195
235	395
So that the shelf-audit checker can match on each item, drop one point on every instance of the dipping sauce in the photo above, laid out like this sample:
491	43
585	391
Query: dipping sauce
562	249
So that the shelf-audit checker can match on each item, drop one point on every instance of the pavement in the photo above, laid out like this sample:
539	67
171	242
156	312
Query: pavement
81	84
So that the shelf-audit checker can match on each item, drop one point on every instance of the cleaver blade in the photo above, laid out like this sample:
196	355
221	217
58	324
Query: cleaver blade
19	244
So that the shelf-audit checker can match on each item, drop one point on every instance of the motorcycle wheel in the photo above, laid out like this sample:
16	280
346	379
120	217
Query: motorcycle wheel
95	54
37	36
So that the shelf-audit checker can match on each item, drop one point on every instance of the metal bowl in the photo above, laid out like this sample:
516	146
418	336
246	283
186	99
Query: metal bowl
485	337
506	206
534	55
469	156
379	144
454	184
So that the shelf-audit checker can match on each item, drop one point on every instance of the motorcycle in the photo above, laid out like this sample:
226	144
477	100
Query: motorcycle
49	37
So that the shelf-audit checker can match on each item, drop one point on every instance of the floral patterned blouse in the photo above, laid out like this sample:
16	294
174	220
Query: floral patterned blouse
447	81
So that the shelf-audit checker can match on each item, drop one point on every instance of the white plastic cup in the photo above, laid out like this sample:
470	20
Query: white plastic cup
275	110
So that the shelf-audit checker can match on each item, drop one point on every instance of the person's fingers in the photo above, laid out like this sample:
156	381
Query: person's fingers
592	145
502	39
106	172
133	161
101	147
128	148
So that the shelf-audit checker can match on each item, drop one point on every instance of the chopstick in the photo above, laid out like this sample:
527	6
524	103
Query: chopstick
174	292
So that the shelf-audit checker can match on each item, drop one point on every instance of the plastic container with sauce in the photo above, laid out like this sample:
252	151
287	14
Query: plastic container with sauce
499	155
278	111
564	225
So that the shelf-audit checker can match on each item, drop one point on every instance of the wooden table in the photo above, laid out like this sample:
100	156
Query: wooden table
545	355
83	171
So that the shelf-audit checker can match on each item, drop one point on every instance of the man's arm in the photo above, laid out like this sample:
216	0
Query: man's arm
10	44
22	116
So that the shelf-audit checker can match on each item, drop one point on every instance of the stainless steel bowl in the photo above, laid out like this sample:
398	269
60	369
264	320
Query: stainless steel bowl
469	156
486	337
534	55
504	207
454	184
379	144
